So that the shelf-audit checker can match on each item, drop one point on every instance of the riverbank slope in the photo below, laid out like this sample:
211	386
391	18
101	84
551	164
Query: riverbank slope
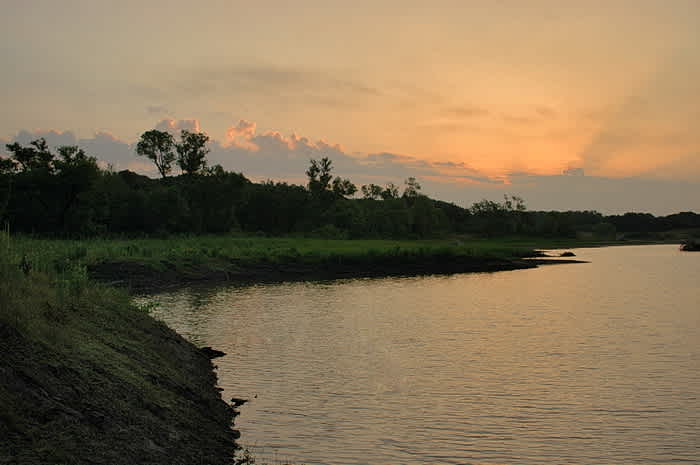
87	377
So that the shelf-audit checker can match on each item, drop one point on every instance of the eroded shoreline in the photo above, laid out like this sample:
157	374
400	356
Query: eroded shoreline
142	278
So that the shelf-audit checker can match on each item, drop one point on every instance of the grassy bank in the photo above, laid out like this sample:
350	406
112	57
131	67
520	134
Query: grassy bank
153	263
87	377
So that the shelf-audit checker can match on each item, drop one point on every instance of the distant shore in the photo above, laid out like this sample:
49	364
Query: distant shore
140	277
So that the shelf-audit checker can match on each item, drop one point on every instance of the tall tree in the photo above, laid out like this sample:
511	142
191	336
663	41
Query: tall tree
36	156
76	176
344	187
390	192
319	174
158	146
412	189
192	151
371	191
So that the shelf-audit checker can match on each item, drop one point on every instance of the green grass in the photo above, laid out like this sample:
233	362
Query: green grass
189	256
63	255
87	376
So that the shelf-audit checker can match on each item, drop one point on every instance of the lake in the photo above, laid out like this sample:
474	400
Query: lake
595	363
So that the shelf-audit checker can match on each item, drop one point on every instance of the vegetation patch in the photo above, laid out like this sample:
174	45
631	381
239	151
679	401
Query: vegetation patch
87	377
143	264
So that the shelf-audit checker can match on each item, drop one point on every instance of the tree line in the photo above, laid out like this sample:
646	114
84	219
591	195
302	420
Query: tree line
64	192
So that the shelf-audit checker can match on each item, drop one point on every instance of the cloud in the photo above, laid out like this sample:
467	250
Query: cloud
272	155
270	82
102	145
107	147
608	195
545	111
518	119
241	134
466	111
573	172
175	126
157	110
652	128
53	137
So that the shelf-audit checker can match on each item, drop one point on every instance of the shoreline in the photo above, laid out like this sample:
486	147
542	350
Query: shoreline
89	377
145	279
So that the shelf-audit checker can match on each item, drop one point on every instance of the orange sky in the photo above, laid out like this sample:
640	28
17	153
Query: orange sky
611	87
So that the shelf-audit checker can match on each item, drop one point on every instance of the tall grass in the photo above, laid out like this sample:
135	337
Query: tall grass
82	349
67	256
39	291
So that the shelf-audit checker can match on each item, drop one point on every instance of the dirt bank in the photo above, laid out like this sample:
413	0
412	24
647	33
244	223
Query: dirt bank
86	378
141	277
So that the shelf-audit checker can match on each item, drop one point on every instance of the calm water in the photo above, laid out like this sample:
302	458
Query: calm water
593	363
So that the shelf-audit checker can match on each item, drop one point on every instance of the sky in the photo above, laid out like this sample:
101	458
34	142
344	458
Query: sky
590	105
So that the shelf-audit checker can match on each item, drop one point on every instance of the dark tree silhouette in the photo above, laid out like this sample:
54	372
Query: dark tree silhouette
36	156
319	174
371	191
343	187
158	146
412	188
66	193
391	191
192	152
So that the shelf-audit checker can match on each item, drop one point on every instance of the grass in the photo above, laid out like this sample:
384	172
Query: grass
150	264
60	255
88	377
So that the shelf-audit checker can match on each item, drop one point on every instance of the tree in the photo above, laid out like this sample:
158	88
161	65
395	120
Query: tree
37	156
216	170
412	188
7	168
71	155
7	165
192	152
157	146
391	191
319	174
513	203
76	175
343	187
371	191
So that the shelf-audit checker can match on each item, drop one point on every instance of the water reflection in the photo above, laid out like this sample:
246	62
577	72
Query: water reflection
593	363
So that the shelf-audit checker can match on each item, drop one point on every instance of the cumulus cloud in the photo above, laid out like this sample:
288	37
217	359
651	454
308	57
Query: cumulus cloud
107	147
241	134
103	145
272	155
175	126
53	137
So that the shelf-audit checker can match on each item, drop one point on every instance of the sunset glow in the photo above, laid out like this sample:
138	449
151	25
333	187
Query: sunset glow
603	89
